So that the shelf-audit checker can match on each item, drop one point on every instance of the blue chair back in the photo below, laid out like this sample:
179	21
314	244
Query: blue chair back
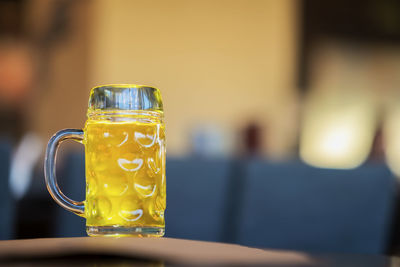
71	178
294	206
196	193
6	201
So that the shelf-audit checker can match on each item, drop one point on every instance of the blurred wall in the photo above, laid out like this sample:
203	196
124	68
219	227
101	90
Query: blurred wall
215	61
220	62
62	89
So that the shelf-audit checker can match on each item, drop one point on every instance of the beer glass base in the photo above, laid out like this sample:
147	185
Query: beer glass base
125	231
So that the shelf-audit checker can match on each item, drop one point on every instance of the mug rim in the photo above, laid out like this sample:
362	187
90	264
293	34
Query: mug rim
123	85
124	97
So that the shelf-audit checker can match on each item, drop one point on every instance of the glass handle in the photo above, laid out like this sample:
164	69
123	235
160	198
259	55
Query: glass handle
50	170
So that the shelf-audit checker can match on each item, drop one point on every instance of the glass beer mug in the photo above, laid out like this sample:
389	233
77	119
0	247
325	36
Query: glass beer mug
124	143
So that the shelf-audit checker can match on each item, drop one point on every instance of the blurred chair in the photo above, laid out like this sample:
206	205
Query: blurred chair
196	193
6	201
294	206
71	178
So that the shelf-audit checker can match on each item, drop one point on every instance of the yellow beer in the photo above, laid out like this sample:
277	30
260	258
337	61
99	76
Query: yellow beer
125	173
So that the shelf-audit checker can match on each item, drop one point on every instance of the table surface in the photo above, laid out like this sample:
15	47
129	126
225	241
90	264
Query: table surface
166	252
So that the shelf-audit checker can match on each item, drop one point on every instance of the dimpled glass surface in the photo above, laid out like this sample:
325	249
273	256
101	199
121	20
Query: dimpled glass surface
125	172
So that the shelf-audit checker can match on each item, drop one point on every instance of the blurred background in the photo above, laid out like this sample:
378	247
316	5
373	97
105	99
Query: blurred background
282	116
